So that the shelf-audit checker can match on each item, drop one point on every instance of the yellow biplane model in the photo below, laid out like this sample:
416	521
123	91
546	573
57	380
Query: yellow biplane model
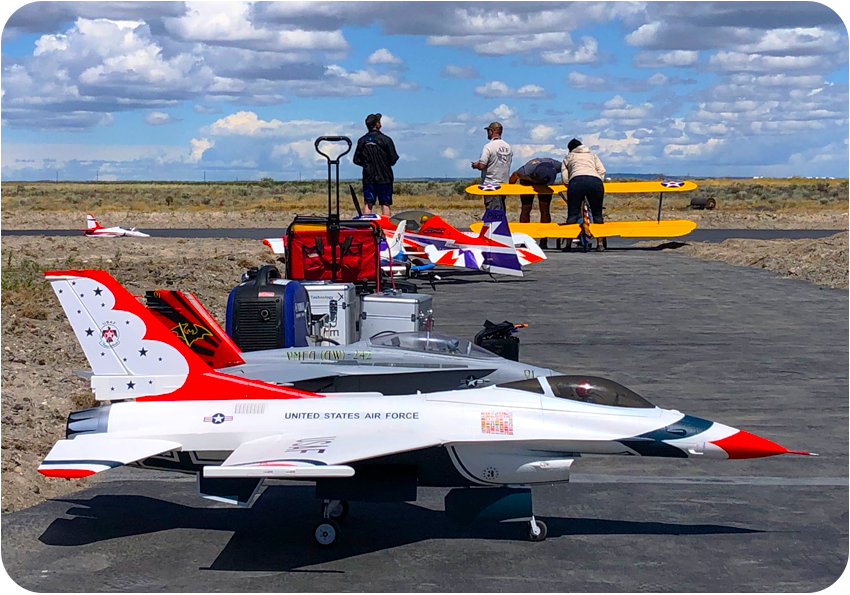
585	231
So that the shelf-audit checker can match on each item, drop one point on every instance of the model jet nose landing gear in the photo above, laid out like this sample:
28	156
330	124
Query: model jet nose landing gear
326	533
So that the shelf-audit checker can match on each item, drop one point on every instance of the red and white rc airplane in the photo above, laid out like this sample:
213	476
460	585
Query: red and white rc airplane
169	410
95	229
429	239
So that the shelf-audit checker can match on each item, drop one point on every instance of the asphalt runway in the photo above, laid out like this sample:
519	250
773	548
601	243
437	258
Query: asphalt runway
698	235
737	345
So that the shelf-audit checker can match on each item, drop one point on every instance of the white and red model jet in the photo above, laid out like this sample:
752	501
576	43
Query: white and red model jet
93	228
169	410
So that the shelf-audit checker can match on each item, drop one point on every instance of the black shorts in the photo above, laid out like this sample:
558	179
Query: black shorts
528	199
383	193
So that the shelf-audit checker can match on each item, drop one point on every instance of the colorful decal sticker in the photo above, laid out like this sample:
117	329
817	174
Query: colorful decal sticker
189	332
500	422
673	184
218	418
109	335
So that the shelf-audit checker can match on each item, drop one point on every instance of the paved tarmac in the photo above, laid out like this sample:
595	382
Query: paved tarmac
698	235
738	345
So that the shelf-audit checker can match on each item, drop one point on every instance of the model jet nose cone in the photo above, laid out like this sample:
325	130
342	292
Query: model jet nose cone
743	445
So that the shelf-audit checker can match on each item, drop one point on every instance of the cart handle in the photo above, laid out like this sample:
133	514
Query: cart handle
333	139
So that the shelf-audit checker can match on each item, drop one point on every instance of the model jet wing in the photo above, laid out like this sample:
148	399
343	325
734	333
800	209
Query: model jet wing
290	456
87	455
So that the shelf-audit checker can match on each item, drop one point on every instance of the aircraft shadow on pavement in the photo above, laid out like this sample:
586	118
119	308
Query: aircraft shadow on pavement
275	534
657	248
462	277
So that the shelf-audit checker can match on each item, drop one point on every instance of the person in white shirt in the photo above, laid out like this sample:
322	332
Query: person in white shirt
495	165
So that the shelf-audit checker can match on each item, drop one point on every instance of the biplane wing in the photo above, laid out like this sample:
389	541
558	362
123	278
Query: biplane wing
610	188
666	228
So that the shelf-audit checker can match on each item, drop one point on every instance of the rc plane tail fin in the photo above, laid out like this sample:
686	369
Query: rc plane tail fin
194	325
500	255
135	356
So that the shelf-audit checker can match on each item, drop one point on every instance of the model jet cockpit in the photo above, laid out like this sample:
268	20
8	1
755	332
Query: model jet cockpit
390	363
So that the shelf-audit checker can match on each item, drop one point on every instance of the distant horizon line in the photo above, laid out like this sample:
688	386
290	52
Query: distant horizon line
471	180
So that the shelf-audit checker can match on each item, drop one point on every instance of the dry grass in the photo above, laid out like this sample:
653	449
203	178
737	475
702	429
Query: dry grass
311	196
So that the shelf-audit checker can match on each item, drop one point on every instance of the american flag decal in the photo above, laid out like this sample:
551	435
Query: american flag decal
499	422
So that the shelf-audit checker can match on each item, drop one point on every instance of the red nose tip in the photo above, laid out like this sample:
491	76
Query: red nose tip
743	445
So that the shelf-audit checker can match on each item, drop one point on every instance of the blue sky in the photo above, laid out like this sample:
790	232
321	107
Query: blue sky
179	90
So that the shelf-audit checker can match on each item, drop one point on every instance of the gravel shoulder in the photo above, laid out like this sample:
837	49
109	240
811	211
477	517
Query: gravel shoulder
823	262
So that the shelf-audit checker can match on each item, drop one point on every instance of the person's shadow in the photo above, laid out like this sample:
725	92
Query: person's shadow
276	533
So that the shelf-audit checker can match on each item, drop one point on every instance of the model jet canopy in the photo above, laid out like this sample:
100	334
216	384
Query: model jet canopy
430	342
586	389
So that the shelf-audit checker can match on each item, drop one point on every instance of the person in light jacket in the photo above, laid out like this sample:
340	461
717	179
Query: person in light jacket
584	175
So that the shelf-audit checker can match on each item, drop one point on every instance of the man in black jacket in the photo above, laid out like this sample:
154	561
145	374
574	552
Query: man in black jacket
376	154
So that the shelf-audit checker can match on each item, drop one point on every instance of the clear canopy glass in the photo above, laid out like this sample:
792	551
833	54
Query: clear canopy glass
430	342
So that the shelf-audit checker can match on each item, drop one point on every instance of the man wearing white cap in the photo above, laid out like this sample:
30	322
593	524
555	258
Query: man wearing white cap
495	165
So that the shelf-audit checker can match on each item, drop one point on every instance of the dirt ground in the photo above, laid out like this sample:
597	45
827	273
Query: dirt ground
40	353
823	262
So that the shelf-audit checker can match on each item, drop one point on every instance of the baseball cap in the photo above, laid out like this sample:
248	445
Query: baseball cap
372	119
494	126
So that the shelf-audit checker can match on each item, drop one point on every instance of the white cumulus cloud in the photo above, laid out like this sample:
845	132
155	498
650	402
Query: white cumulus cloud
383	56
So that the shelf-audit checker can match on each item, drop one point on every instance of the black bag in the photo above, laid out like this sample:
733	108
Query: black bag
499	339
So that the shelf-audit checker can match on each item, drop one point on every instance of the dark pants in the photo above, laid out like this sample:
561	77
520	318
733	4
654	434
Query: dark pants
581	188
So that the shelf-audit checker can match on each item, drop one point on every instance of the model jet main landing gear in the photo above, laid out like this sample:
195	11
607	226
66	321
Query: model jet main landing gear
536	530
327	531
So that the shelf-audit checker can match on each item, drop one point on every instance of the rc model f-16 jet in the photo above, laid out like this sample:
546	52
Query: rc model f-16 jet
169	410
389	363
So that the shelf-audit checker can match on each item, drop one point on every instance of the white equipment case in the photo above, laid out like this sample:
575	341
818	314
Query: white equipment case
398	312
339	301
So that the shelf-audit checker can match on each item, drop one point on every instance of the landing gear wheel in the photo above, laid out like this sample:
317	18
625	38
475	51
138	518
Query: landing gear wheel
326	533
540	526
338	510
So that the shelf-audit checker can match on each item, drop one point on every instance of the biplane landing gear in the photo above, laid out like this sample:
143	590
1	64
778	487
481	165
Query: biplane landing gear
536	530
